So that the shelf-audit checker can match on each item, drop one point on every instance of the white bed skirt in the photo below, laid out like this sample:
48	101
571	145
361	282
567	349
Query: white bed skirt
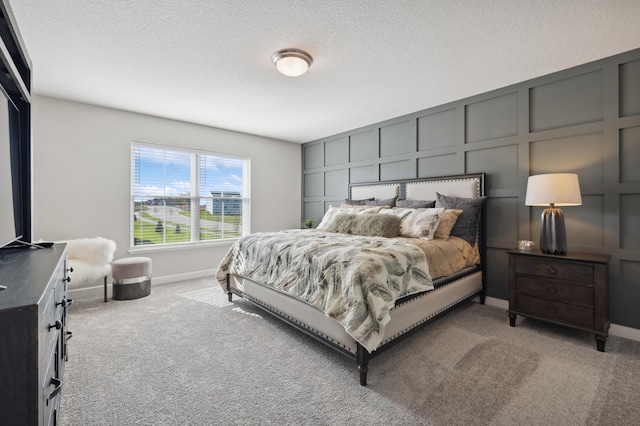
404	317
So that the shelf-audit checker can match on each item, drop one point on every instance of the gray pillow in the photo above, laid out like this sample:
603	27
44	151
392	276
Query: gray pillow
389	202
357	202
416	204
467	224
370	225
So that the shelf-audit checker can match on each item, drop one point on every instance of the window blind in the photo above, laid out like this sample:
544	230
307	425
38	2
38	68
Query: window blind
181	196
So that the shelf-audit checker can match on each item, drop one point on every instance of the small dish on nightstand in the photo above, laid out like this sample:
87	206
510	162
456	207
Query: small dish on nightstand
525	245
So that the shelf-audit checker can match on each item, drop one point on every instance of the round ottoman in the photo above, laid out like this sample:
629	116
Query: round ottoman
131	278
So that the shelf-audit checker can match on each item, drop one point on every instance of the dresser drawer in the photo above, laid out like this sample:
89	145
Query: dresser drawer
549	268
48	331
555	311
555	290
60	286
51	388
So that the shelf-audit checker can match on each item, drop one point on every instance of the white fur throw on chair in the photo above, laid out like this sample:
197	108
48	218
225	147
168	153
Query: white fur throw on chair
90	259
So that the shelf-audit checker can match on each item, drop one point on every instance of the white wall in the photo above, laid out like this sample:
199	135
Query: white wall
81	177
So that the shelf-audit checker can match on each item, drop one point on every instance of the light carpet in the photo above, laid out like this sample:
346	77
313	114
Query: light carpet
186	356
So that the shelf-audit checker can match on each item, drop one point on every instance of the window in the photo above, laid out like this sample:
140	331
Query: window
181	196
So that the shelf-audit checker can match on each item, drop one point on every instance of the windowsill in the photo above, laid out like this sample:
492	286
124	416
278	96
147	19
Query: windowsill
186	246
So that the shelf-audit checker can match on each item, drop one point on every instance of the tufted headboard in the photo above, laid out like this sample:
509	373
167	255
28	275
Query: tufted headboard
463	186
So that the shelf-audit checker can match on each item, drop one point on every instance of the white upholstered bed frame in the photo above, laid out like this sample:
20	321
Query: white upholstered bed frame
408	315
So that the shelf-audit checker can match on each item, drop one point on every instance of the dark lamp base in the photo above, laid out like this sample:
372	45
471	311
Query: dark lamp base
553	237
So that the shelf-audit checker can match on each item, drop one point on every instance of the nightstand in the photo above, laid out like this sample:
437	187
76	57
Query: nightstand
570	290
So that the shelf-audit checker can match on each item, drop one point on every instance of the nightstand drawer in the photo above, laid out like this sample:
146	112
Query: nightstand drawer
547	268
555	290
555	311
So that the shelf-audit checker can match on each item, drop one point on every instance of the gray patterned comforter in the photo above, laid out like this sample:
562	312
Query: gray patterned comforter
353	279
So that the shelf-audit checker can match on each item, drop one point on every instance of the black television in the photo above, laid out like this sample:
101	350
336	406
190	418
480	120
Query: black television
10	197
15	134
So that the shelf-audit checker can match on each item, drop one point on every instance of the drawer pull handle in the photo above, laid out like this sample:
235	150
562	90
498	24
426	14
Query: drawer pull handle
70	269
65	302
57	325
68	279
551	270
58	384
69	335
551	309
551	289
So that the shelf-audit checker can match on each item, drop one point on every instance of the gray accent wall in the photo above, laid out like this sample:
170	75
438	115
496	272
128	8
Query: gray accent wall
583	120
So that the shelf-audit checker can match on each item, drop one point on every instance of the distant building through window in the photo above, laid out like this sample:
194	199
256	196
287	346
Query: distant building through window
227	203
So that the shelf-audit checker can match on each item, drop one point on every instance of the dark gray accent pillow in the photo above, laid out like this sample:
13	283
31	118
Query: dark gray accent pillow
369	225
389	202
357	202
467	224
416	204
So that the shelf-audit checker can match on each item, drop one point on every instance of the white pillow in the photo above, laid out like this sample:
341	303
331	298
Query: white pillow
401	212
421	223
331	214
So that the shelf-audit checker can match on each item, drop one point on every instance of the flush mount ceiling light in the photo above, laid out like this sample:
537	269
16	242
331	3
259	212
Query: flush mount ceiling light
292	62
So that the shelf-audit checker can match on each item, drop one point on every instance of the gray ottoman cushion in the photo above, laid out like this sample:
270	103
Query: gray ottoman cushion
131	277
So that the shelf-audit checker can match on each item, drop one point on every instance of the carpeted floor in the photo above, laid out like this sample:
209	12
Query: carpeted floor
185	356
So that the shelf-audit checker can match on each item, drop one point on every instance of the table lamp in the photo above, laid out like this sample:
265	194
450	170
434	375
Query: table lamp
553	190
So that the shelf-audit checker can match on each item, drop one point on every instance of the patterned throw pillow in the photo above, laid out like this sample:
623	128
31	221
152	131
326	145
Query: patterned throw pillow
421	223
401	212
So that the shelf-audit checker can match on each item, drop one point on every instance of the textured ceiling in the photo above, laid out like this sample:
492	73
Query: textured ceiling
209	62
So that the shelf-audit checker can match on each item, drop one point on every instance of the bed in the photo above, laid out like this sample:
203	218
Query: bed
361	294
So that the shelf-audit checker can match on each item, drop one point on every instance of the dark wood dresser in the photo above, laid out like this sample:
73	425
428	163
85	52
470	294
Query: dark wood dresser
33	334
571	290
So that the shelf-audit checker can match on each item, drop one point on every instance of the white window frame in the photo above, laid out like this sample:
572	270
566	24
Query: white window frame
195	200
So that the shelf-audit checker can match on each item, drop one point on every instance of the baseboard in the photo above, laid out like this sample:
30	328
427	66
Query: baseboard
624	331
98	290
498	303
614	329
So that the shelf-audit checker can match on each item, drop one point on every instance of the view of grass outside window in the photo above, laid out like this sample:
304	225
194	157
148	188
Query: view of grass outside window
180	196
